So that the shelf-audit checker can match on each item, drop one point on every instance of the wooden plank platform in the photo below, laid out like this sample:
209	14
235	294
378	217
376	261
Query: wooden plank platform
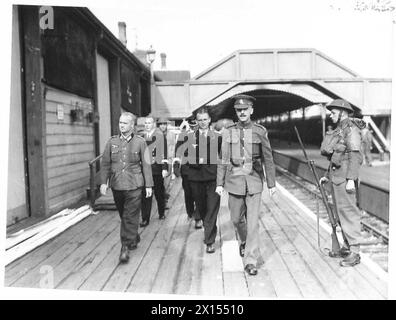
171	258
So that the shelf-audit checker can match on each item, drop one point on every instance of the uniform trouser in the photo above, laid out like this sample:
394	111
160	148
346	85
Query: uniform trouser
244	211
367	154
159	191
208	203
128	203
168	181
189	199
349	215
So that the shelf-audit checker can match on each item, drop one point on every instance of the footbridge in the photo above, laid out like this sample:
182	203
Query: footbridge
281	79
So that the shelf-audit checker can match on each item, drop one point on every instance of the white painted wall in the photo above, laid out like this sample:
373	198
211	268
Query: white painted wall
102	66
16	188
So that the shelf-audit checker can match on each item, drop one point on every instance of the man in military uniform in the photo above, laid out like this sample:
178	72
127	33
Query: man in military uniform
157	146
126	167
345	161
245	149
181	168
171	141
203	151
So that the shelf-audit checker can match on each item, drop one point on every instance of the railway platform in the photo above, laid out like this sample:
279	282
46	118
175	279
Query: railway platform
171	258
374	181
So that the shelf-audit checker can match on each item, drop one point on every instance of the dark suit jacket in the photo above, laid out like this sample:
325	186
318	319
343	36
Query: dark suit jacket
157	146
203	155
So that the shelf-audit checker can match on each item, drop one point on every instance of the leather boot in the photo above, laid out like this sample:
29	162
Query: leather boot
342	253
351	260
251	269
124	255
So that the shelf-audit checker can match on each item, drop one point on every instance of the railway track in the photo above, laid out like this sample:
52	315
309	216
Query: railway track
375	231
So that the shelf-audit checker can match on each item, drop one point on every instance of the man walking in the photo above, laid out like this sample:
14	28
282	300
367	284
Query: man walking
126	167
245	148
157	146
181	168
204	146
171	141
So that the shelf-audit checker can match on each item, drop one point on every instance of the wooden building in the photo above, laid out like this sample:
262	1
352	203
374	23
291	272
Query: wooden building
71	78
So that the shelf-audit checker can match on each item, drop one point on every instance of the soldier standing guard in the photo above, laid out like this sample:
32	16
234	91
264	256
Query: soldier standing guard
126	165
245	148
345	161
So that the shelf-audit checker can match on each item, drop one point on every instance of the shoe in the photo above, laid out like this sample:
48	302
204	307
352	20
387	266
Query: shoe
198	224
351	260
342	253
251	269
242	249
210	248
162	217
124	255
144	223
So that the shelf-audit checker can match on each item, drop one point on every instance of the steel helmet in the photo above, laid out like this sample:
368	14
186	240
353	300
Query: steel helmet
340	104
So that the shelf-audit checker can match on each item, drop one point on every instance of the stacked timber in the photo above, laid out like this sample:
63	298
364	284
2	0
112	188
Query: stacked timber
25	240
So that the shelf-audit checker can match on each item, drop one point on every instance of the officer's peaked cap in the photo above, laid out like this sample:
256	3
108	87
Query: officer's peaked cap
242	101
340	104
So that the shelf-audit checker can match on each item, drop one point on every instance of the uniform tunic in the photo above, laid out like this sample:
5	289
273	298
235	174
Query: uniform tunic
126	165
348	169
245	149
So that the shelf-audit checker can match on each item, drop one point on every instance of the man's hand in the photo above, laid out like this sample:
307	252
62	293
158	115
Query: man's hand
164	173
149	192
103	189
323	180
219	190
350	186
271	191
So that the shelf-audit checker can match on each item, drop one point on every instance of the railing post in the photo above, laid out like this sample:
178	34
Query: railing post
92	182
91	185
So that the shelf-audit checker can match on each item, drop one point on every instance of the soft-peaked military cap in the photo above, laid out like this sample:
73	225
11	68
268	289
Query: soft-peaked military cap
243	101
340	104
193	123
162	120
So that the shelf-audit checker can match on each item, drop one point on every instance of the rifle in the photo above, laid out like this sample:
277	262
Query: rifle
333	217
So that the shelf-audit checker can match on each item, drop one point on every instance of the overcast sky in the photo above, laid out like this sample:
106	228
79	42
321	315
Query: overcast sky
197	34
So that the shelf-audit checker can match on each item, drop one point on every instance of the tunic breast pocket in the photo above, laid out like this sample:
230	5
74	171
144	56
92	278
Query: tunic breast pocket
256	148
135	157
115	153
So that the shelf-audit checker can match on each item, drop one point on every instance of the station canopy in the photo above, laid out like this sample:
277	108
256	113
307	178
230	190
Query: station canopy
271	99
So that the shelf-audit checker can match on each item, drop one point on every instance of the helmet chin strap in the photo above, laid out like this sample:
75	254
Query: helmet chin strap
339	117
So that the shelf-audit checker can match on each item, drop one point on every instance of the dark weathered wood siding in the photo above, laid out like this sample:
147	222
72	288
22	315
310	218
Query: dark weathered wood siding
70	145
